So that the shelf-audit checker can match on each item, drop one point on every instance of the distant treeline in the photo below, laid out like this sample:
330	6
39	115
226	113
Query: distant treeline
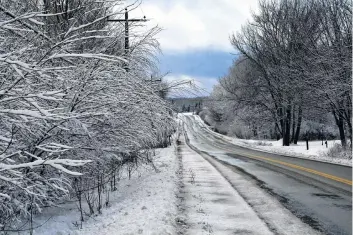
194	104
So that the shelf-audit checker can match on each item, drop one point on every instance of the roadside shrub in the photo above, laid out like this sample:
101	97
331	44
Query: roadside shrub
263	143
337	151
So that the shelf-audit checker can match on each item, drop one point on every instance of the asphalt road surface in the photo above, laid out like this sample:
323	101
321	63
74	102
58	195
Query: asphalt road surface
318	193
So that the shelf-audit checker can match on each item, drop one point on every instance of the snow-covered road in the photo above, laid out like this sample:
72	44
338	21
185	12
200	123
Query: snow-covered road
308	194
212	205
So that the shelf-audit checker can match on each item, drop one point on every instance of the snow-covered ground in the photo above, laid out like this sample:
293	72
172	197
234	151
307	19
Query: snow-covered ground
316	149
187	195
145	204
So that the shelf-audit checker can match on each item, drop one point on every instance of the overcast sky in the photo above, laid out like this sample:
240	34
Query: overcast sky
195	36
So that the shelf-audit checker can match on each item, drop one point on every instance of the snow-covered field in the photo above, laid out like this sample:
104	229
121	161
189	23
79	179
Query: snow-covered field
316	149
145	204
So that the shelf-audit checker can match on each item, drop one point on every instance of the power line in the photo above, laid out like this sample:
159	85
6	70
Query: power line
127	43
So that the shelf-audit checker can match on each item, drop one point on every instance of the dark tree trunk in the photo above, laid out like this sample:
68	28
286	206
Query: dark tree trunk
286	136
349	124
299	122
254	129
340	125
342	136
282	125
350	135
348	117
293	124
277	132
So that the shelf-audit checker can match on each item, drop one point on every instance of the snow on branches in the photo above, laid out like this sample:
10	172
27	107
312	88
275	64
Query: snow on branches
295	65
69	111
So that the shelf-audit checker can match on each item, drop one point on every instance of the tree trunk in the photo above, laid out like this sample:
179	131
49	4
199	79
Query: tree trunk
282	125
293	124
342	136
350	135
286	136
299	122
349	124
340	125
277	132
348	117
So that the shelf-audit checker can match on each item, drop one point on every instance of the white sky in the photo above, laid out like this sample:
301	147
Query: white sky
196	24
190	25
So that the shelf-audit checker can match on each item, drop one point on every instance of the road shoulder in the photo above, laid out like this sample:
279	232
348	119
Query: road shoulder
211	205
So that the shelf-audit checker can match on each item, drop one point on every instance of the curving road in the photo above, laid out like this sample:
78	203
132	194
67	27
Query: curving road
318	193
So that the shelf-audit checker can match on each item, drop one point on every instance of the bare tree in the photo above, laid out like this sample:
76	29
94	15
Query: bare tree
289	64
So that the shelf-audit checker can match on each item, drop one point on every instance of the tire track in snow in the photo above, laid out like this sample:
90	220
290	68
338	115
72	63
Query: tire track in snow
210	204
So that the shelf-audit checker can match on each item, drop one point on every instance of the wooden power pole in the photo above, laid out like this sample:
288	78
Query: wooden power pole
127	20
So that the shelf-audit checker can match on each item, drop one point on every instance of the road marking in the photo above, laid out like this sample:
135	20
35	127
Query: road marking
332	177
325	175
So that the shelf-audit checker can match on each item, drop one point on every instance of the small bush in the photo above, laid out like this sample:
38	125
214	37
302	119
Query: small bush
263	143
337	151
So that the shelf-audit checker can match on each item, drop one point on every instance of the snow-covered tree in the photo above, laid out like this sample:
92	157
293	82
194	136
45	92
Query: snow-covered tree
69	110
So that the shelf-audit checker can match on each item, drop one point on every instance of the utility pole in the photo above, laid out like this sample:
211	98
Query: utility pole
127	20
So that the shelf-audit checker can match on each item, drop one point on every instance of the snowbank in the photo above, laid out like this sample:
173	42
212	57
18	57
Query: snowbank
316	149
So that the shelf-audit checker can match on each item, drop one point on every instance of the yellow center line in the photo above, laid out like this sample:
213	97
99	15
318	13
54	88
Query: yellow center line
325	175
332	177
